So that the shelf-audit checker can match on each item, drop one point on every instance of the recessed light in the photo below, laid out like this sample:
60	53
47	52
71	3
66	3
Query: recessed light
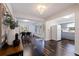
68	16
26	20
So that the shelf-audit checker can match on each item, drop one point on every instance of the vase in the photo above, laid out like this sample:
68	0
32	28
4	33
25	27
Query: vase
10	36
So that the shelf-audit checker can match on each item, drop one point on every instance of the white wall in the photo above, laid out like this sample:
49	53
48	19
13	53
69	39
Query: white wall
9	8
77	30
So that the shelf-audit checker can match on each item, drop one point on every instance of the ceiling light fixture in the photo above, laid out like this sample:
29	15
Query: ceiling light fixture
41	8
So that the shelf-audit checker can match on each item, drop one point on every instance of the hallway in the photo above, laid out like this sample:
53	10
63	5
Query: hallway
42	21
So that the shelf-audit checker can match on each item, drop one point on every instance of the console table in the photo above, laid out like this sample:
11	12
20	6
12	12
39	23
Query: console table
12	51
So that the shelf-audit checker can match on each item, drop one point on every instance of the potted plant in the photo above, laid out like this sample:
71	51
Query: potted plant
10	22
10	28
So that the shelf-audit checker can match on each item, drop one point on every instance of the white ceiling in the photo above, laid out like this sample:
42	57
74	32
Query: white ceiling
29	11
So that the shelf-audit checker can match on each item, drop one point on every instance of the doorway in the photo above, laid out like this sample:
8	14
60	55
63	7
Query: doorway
63	36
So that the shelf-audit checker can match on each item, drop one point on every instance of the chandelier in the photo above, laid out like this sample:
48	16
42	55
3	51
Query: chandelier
41	8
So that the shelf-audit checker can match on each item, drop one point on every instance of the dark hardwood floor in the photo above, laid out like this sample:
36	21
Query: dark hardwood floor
50	48
59	48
